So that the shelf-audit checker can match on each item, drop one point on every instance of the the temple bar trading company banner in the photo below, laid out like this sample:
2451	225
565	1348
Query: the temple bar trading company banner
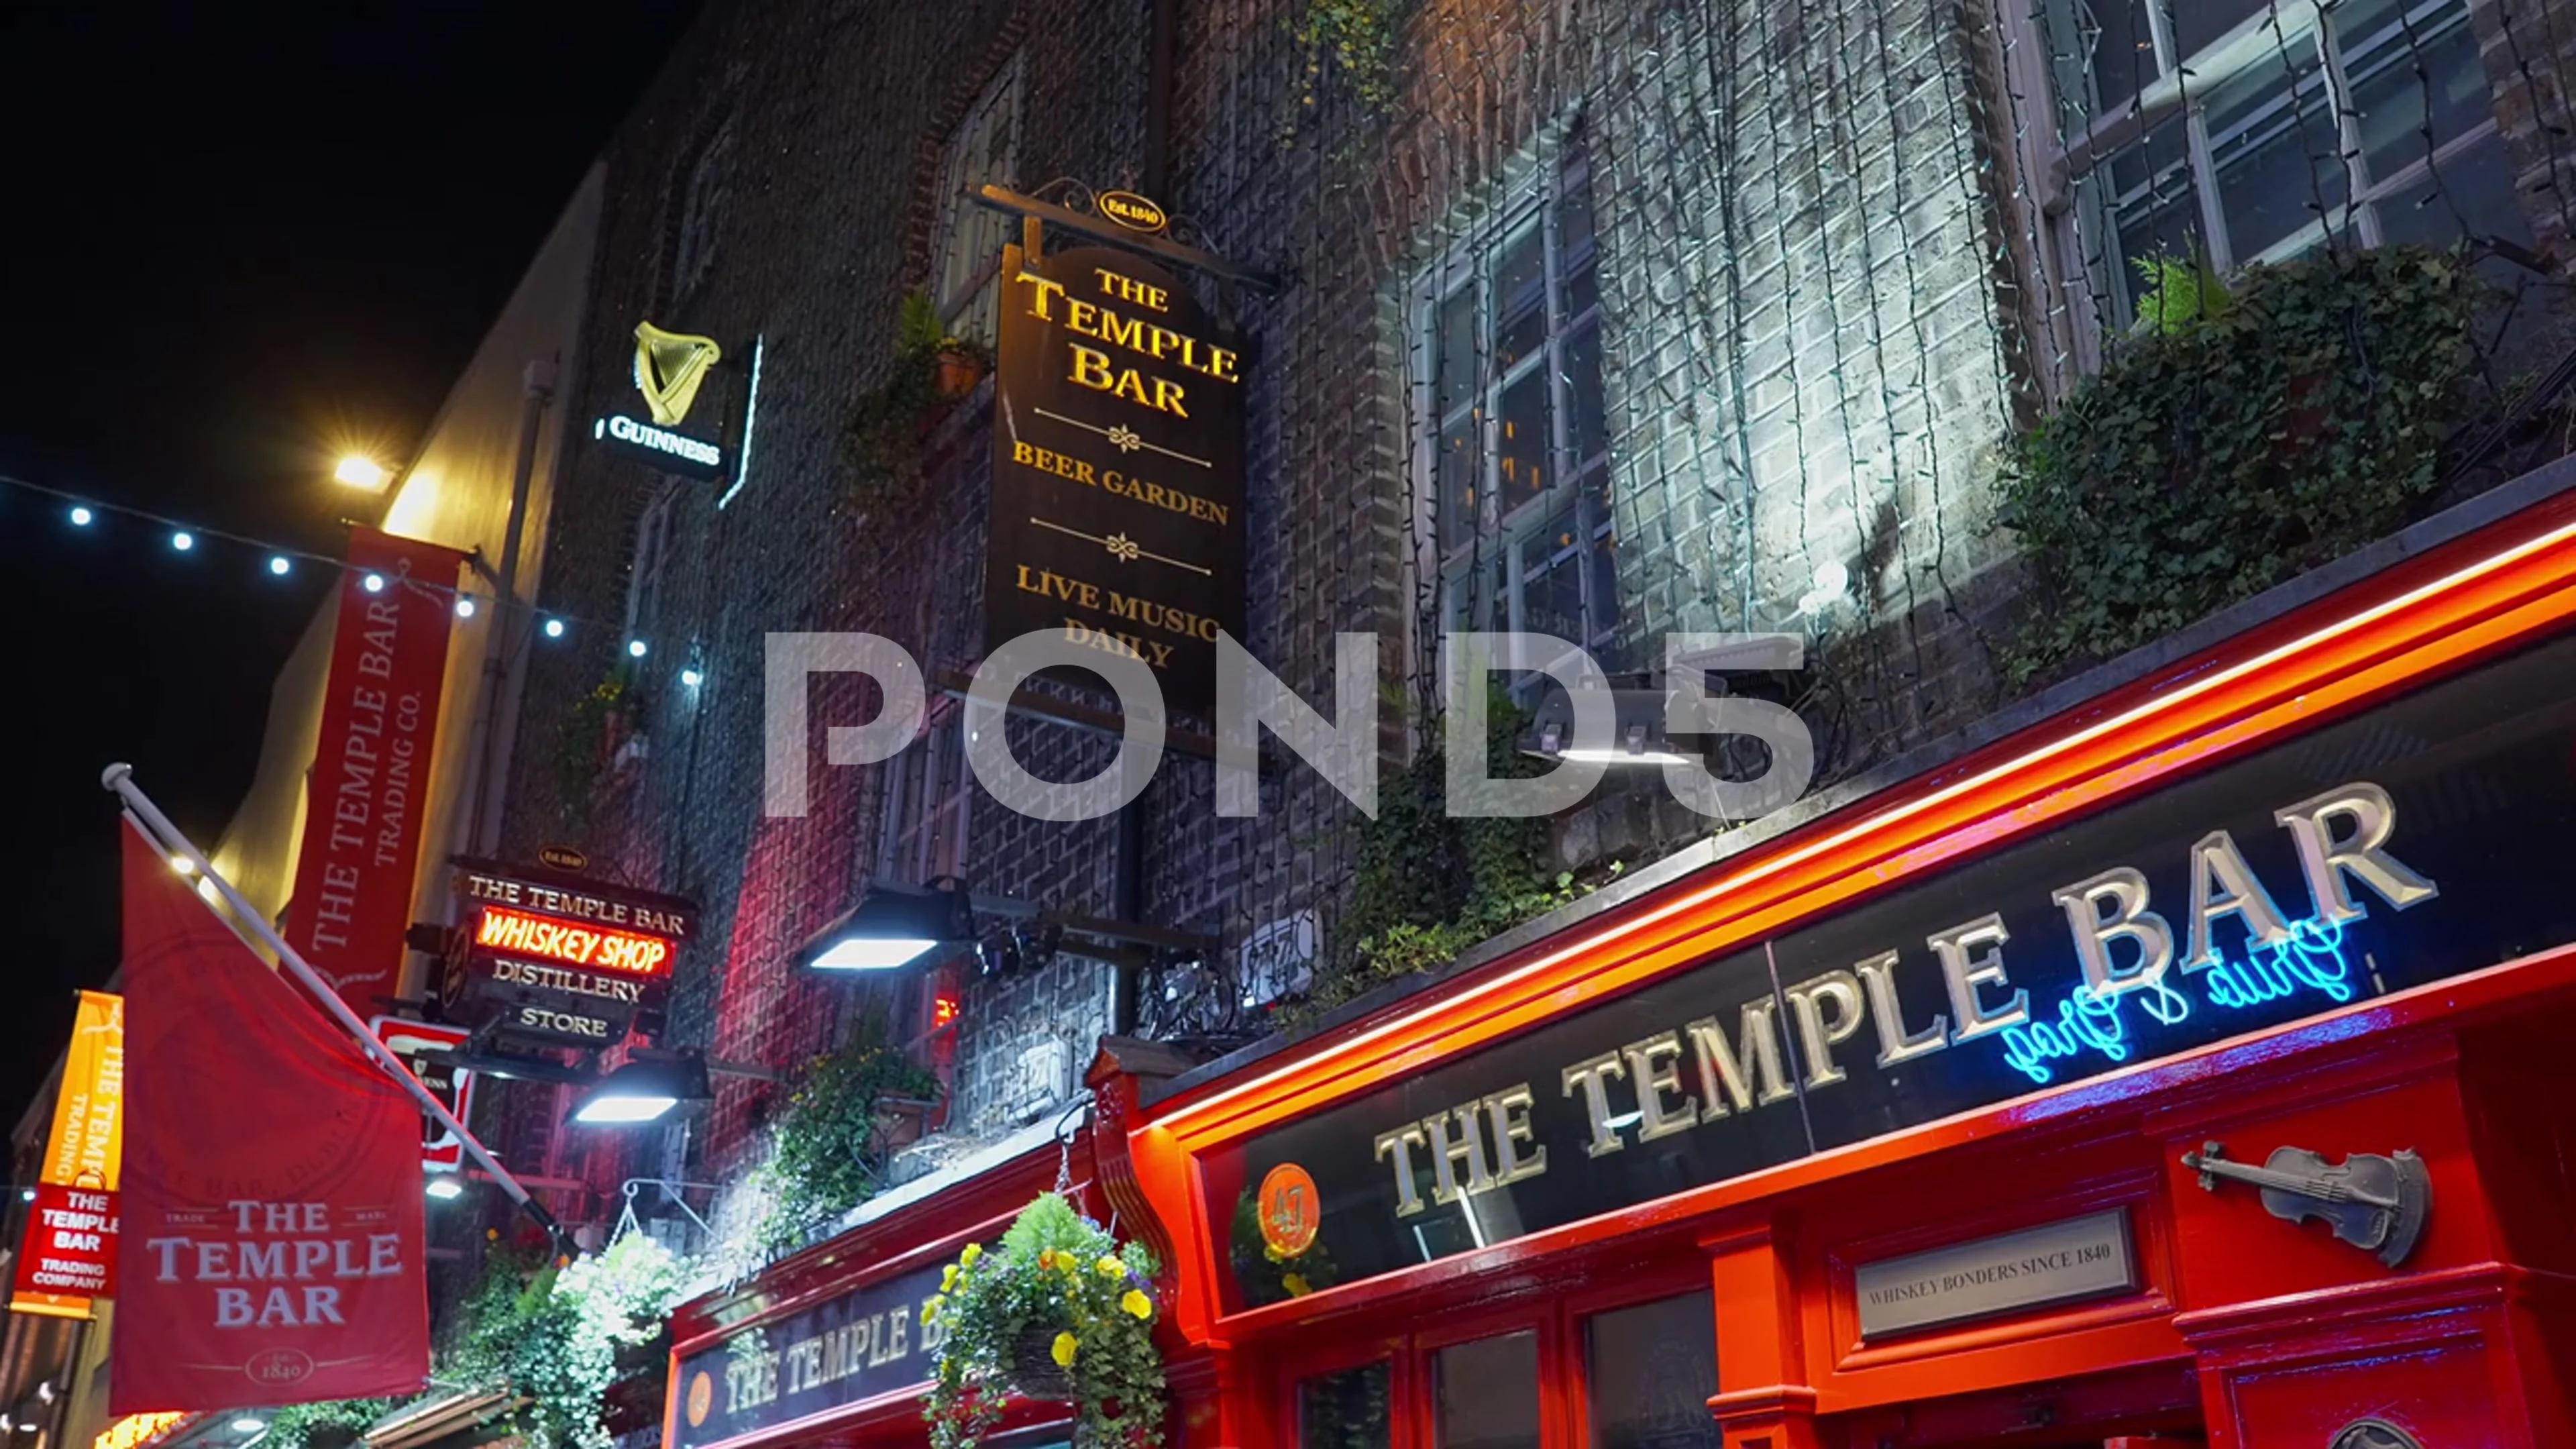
69	1255
1117	468
353	875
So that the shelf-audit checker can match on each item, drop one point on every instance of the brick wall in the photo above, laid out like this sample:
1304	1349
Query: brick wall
1819	315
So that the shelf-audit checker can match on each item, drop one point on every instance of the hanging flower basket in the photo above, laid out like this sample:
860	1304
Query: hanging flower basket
1034	1372
1060	1310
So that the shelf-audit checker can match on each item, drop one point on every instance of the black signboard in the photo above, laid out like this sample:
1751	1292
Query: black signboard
2427	837
1117	468
843	1351
557	959
683	415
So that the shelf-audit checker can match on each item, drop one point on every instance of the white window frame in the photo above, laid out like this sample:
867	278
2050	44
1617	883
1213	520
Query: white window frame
1501	544
2085	236
969	306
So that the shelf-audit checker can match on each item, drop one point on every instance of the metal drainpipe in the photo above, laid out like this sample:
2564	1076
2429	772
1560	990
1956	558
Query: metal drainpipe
508	620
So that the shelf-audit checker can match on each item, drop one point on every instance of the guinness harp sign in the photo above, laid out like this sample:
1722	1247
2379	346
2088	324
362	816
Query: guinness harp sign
687	425
1117	468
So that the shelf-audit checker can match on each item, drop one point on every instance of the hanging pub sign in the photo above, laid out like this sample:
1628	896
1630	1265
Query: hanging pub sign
857	1346
1117	467
688	420
555	959
2420	839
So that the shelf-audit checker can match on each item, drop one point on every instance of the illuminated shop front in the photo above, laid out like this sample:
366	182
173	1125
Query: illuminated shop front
2188	1063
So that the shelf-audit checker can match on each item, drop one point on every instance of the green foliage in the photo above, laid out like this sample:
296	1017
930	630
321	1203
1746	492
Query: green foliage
1355	39
2179	291
1059	1287
830	1155
2293	422
550	1333
601	721
1429	886
883	439
322	1425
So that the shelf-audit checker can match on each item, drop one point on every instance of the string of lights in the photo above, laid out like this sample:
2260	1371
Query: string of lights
279	561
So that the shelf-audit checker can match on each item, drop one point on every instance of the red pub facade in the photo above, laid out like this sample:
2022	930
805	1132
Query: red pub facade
2185	1066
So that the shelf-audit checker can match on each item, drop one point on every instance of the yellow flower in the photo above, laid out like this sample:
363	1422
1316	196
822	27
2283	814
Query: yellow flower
1273	1254
1046	1257
1111	1267
967	1258
948	1280
1296	1286
1068	1263
1137	1303
1065	1344
929	1311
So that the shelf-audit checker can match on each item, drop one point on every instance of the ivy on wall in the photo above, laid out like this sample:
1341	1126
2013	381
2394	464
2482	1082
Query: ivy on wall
2246	434
1429	886
830	1138
1354	40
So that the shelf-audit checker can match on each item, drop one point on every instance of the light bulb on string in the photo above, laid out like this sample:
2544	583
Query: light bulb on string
634	648
692	678
465	606
554	628
280	565
375	583
82	517
183	540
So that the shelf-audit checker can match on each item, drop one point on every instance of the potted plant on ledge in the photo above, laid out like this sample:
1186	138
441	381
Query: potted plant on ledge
1060	1310
933	369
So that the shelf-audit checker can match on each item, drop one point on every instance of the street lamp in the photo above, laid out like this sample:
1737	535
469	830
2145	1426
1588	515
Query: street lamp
642	1091
360	471
895	926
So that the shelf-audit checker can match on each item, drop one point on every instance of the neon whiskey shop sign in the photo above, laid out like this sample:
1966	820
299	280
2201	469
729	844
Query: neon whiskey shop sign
2419	840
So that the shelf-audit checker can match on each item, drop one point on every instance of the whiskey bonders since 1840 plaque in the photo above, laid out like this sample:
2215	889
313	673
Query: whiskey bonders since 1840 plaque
1117	468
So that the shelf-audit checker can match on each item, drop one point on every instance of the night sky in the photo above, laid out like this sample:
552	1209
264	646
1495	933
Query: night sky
233	242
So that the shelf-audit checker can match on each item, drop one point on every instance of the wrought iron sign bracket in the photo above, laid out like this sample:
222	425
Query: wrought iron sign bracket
2375	1203
1035	213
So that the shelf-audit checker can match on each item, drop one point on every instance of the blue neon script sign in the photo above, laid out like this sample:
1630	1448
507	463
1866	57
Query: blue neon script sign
2312	959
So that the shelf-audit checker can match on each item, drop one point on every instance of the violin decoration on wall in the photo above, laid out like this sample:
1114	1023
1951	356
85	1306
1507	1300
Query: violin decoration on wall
2375	1203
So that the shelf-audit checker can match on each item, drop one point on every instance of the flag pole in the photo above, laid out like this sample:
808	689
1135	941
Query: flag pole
247	922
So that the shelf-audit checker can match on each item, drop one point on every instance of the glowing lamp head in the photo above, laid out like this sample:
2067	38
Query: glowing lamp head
361	472
443	1186
248	1425
642	1091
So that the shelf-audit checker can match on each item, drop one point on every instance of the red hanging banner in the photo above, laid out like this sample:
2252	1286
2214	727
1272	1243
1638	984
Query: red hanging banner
353	876
272	1182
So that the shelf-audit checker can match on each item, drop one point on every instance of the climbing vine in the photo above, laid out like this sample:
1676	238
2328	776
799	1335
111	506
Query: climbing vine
1354	40
2244	435
830	1137
1428	885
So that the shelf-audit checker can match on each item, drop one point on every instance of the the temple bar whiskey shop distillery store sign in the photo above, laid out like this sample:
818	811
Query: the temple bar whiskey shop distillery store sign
557	959
1117	467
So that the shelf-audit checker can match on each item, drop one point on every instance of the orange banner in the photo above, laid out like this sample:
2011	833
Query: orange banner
69	1254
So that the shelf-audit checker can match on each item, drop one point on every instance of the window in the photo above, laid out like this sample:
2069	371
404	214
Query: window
1650	1372
698	214
1488	1393
921	836
966	265
2251	130
1510	347
1346	1410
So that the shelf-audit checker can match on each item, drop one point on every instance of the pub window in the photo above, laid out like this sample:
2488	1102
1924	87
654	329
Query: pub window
1487	1392
1649	1371
2238	131
966	265
698	213
1509	339
1345	1410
